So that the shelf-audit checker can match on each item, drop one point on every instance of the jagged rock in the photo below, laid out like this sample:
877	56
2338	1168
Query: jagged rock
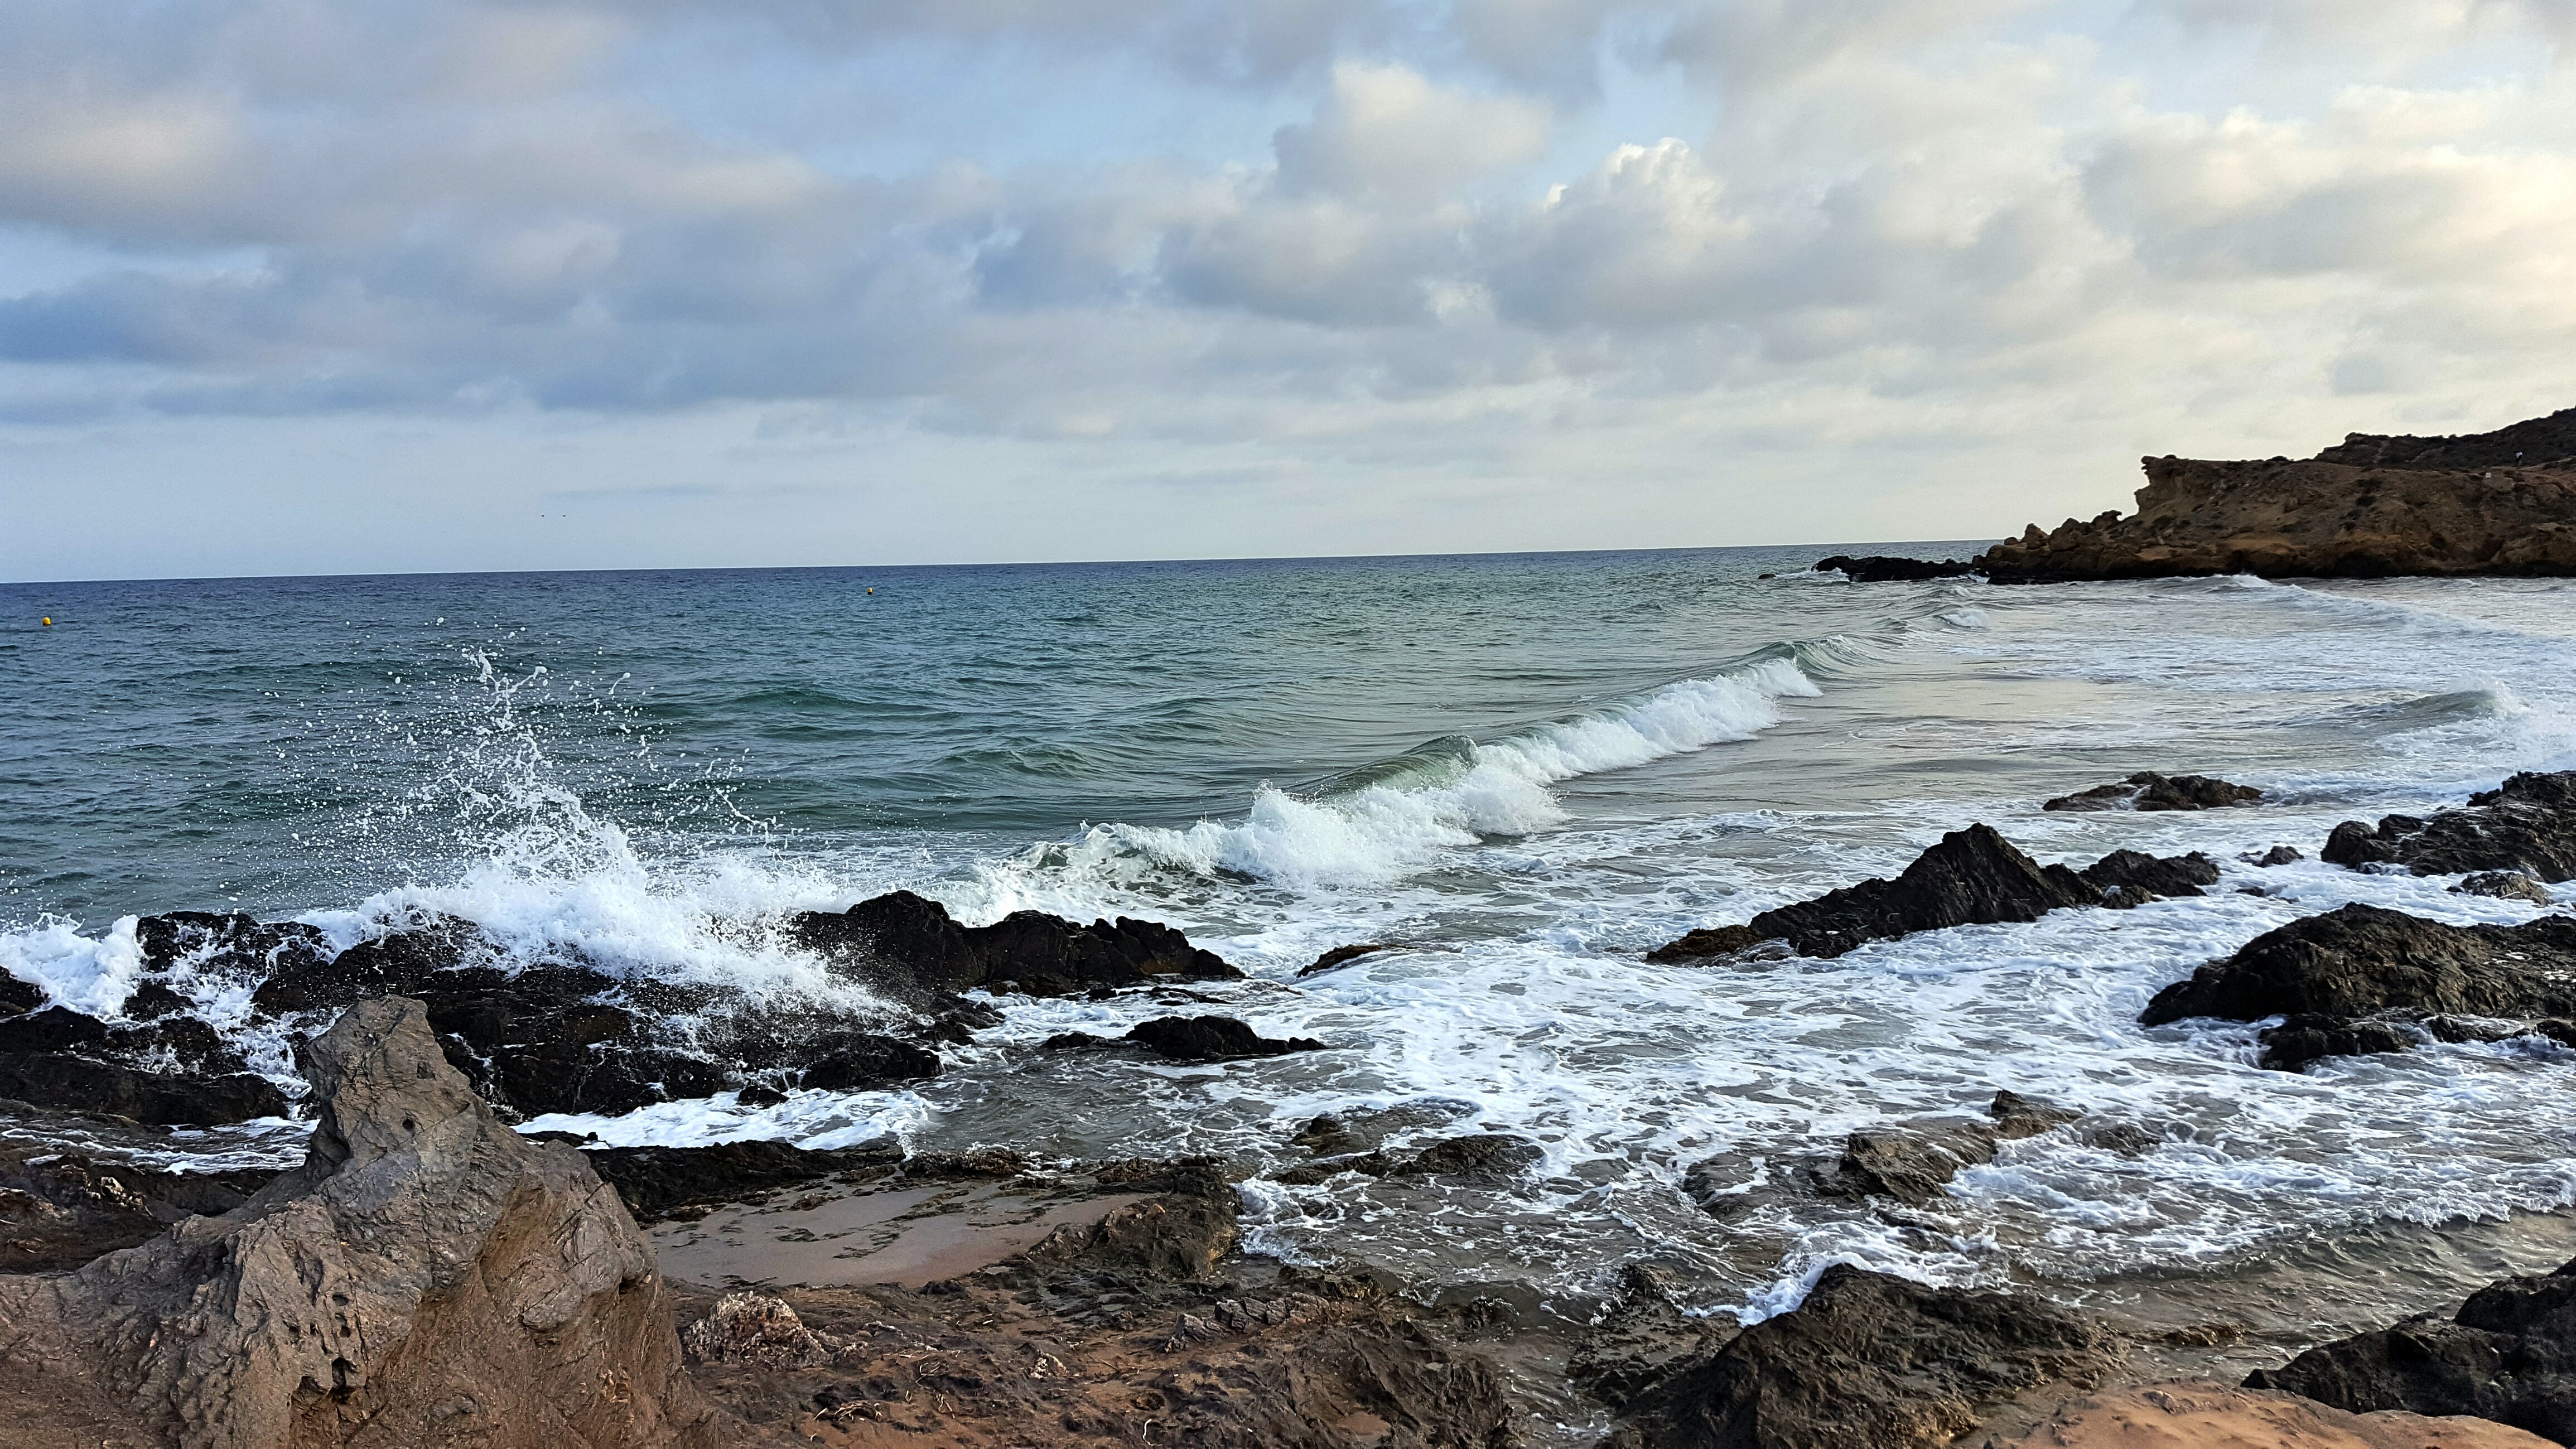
1882	569
2504	885
2361	959
2277	855
59	1210
2527	824
862	1061
2415	508
1912	1161
427	1277
543	1039
2017	1116
1340	956
1972	877
2147	790
172	1071
668	1182
1481	1157
1641	1339
1870	1359
400	961
229	944
908	943
18	996
2508	1355
1177	1234
1212	1039
2133	877
752	1328
2306	1037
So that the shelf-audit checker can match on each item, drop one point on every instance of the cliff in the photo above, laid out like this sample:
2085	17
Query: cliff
2488	503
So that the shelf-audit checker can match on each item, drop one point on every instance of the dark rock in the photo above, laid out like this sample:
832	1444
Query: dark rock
17	996
1909	1163
2361	959
860	1062
1709	941
909	943
2278	855
2306	1037
400	962
59	1079
1490	1157
758	1094
1341	956
2508	1355
2528	824
65	1209
666	1182
2504	885
1972	877
153	1000
2017	1116
1882	569
228	943
1211	1039
2147	790
1874	1360
1641	1339
543	1039
2131	877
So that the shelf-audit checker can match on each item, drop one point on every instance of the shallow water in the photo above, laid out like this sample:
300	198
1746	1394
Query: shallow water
1549	763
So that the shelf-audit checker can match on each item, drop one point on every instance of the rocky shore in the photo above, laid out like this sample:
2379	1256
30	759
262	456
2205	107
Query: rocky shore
428	1276
2499	503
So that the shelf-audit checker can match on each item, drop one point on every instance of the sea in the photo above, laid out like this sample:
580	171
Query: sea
1531	769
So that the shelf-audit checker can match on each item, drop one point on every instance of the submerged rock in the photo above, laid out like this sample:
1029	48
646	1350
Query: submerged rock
426	1276
2494	503
2504	885
1911	1162
2353	980
1972	877
2527	824
1641	1339
2147	790
1189	1039
2508	1355
1881	569
909	943
1870	1359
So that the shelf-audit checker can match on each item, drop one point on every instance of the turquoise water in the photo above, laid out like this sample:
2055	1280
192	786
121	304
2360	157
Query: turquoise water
1549	763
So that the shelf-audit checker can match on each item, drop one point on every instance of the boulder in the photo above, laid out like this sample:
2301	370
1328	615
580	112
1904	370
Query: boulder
854	1061
908	944
2504	885
2509	1355
2361	959
2147	790
2527	824
1641	1339
18	996
218	943
2371	508
1972	877
171	1071
1882	569
427	1277
1870	1359
1212	1039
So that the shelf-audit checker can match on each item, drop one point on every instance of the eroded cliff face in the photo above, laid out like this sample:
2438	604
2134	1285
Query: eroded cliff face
2490	503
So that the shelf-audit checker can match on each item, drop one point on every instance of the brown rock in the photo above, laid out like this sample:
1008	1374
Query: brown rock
2498	503
426	1278
2214	1416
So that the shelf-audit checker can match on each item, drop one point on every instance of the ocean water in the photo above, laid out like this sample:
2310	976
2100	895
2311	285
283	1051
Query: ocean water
1541	765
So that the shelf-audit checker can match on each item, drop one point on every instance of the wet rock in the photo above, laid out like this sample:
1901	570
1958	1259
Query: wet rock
1710	941
1911	1163
2504	885
59	1210
1641	1339
1490	1157
18	996
400	962
1882	569
1212	1039
2148	790
909	943
861	1061
2508	1355
2527	824
1870	1359
229	944
2307	1037
1340	956
2131	877
1176	1235
1364	1129
2277	855
2360	960
168	1072
424	1263
544	1039
668	1182
1972	877
2017	1116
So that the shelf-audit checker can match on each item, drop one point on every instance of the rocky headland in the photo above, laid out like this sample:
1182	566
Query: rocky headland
2499	503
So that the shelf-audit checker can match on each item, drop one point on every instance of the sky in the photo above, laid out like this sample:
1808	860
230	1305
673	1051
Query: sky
296	287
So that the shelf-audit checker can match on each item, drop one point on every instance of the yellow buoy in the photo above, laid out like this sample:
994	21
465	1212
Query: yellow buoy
49	621
870	591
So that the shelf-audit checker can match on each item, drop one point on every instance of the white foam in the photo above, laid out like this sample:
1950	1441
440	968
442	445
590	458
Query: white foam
1383	831
93	974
